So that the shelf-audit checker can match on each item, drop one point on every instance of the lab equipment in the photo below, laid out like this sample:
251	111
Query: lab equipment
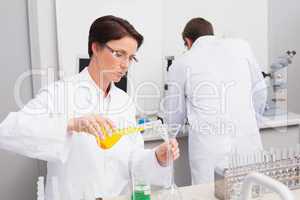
265	181
276	103
141	186
282	165
171	191
117	134
143	120
40	188
141	192
110	141
169	60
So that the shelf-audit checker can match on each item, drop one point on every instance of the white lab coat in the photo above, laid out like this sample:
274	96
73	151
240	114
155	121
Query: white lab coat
211	86
75	162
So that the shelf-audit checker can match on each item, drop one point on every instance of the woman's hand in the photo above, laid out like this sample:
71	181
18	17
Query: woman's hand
162	152
91	124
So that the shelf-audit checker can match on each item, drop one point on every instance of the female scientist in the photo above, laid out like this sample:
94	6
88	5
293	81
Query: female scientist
59	125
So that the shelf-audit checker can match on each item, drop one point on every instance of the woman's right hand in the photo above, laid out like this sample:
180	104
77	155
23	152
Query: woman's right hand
91	124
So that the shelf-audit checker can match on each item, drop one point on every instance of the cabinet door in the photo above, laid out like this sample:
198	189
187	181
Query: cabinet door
282	137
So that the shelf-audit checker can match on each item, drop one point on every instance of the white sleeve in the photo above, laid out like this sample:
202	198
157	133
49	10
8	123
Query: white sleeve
259	86
175	103
37	131
144	164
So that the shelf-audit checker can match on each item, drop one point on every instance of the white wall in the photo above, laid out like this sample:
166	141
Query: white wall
284	31
161	22
18	174
230	18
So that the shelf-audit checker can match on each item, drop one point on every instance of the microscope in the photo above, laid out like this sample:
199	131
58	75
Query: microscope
277	85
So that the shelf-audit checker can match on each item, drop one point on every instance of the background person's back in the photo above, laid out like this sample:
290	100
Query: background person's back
218	97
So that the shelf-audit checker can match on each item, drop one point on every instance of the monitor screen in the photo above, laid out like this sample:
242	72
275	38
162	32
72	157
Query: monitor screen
122	84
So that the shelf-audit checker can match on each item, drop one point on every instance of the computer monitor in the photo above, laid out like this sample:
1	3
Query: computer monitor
122	84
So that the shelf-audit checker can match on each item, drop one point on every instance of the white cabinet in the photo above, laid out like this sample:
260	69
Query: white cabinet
280	137
281	131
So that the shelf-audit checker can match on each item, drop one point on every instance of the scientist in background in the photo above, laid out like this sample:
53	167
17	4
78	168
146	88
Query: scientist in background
60	123
212	86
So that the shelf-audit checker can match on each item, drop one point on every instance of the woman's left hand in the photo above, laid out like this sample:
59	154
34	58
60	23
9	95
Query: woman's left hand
162	152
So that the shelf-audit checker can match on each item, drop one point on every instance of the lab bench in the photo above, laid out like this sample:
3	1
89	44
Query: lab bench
276	132
206	192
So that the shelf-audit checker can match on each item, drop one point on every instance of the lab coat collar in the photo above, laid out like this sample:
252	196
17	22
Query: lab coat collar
86	76
203	40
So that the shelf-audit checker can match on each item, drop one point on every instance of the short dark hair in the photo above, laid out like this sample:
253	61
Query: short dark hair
108	28
196	28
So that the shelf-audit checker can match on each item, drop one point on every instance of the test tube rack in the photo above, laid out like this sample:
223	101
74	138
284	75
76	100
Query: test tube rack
282	165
